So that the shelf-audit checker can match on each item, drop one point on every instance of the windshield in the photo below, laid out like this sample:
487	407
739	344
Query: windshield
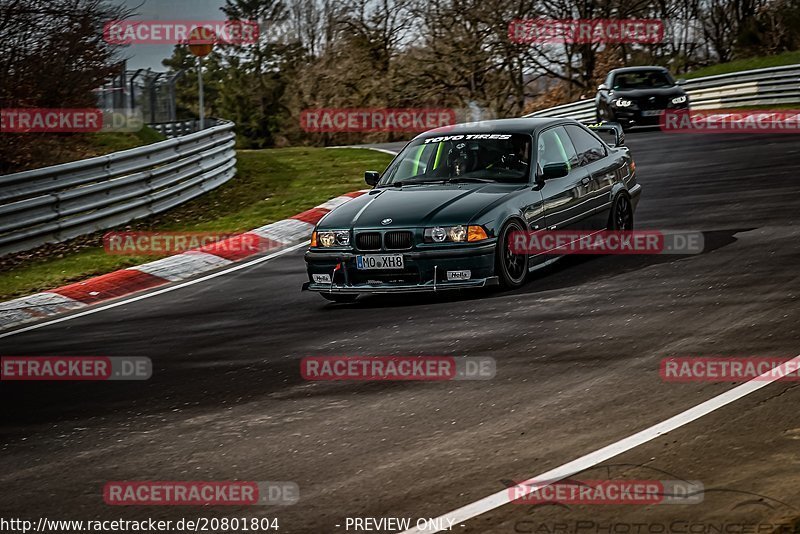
647	79
464	157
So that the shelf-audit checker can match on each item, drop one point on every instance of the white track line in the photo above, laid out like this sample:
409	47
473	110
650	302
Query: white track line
601	455
384	150
157	292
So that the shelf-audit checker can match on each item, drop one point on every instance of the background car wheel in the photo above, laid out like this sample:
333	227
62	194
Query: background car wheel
621	217
511	268
339	298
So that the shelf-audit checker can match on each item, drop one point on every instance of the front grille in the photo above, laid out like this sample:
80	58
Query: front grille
397	240
368	241
660	102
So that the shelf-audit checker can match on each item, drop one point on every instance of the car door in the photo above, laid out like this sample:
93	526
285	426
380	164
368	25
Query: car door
564	197
600	166
561	197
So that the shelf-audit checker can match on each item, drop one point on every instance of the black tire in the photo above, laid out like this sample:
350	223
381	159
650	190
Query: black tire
621	217
511	269
340	298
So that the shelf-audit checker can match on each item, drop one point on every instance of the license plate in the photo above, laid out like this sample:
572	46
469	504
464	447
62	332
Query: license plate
652	112
379	261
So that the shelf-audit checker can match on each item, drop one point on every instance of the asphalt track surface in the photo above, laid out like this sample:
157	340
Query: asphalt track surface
577	351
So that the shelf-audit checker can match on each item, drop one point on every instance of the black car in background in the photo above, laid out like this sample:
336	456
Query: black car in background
638	96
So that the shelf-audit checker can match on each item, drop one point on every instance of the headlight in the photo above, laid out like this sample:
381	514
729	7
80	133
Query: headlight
679	99
455	234
326	239
437	234
622	103
343	238
333	238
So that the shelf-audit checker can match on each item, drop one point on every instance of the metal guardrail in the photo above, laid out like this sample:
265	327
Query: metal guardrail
53	204
185	127
768	87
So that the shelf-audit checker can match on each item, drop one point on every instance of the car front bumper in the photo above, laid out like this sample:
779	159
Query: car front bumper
635	116
427	287
423	271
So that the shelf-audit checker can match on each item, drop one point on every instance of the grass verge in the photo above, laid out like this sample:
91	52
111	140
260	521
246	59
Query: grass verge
107	142
32	151
778	60
271	184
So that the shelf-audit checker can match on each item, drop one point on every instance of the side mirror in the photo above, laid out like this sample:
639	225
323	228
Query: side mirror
555	170
609	129
372	177
602	87
681	81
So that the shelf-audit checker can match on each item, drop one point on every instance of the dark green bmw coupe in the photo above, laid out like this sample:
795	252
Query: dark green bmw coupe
443	213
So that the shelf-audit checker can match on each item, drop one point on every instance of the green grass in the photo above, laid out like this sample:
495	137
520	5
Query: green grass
42	150
768	107
270	185
52	273
107	142
274	184
787	58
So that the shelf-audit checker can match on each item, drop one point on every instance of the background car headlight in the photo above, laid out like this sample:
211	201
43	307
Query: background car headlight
622	103
679	99
455	234
333	238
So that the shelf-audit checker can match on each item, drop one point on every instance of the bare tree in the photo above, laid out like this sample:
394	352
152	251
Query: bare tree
52	54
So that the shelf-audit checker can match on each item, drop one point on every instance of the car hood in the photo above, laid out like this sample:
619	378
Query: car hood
644	93
418	205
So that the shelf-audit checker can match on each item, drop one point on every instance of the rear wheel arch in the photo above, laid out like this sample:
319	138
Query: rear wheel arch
616	204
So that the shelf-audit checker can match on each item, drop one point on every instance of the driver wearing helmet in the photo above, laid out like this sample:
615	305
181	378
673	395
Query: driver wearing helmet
462	159
518	157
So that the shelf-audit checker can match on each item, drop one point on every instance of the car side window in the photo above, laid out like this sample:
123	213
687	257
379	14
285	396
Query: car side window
554	146
417	163
588	147
569	147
